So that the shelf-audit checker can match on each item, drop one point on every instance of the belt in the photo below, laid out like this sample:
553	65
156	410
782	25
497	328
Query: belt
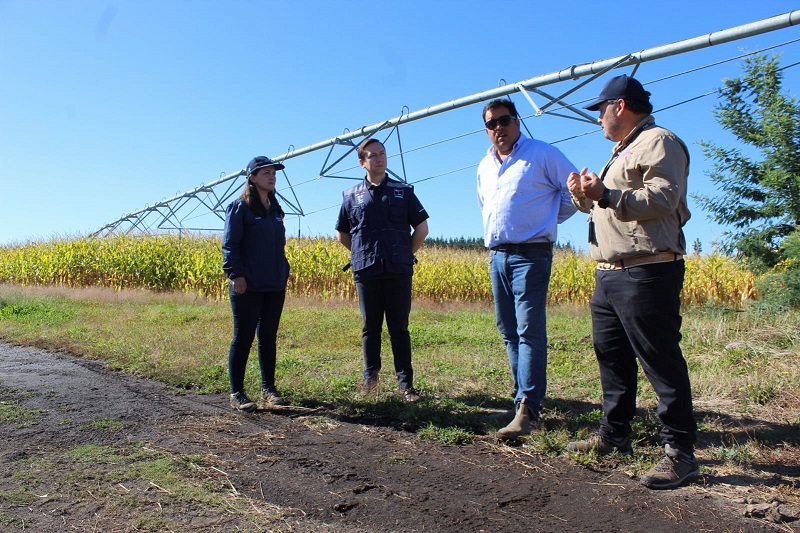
522	246
622	264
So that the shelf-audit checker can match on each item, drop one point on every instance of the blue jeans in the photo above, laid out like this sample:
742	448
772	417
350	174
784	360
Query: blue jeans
636	316
519	284
389	296
254	313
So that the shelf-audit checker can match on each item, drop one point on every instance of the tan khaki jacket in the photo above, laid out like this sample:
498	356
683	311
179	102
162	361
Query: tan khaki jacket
647	178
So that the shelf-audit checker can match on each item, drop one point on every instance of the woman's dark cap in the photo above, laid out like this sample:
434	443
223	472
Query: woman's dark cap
261	162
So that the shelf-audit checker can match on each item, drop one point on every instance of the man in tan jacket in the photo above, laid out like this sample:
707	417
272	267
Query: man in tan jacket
637	210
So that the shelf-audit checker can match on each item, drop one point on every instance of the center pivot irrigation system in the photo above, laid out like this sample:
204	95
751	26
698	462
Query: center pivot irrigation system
172	214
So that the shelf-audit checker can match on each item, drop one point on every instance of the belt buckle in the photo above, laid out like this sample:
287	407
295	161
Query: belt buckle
605	265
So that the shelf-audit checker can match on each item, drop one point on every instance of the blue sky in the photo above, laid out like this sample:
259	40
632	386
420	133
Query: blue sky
109	106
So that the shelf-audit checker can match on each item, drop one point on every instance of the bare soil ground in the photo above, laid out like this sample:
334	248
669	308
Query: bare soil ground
293	469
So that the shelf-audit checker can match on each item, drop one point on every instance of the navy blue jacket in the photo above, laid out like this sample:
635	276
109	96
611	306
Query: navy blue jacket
253	247
379	220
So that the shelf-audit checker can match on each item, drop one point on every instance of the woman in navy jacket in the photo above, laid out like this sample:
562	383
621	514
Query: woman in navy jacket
254	260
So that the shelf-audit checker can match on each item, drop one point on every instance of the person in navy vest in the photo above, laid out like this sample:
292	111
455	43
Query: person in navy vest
383	224
253	258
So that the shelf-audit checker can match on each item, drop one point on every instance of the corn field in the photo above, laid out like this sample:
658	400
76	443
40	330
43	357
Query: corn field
193	264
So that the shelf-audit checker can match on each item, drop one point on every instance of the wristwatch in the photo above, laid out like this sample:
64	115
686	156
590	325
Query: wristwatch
605	200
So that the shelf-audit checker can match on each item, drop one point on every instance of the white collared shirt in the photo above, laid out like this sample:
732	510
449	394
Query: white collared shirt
525	197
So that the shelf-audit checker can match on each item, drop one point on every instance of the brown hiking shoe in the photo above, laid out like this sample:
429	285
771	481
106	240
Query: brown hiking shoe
369	384
410	395
599	445
521	425
671	471
241	402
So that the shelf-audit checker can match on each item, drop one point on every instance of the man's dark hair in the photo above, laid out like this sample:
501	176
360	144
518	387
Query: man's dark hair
639	107
500	102
362	147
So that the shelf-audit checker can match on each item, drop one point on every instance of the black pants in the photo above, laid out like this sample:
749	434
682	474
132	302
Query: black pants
636	316
254	313
389	296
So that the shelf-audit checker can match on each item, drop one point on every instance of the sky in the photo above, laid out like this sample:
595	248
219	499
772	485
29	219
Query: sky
107	107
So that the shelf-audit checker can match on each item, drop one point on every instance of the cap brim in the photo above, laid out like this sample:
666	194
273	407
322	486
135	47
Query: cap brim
594	106
277	166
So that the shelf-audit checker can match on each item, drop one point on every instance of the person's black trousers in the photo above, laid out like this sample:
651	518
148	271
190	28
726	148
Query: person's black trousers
388	296
636	316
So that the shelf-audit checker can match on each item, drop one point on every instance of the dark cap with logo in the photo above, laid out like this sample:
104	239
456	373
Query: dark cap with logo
618	87
261	162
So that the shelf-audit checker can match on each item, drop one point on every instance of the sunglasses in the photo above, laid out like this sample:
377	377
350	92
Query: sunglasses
504	121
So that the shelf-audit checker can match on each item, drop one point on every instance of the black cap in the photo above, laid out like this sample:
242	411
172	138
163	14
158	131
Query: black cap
618	87
261	162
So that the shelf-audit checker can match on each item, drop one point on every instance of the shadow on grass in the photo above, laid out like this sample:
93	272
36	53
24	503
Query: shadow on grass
472	413
744	439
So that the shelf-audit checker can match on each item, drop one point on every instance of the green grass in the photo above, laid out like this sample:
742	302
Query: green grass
132	480
451	436
104	424
14	414
741	363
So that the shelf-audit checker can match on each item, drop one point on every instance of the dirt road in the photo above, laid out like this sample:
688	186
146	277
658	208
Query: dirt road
80	456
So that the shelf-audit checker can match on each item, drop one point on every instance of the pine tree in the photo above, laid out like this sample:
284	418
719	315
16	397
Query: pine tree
758	199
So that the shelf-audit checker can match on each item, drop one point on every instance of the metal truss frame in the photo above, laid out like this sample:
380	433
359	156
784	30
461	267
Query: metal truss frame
169	215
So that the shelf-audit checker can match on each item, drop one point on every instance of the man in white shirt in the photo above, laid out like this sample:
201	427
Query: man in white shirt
523	196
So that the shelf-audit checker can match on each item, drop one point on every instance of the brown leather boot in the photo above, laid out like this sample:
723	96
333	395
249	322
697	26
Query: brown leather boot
521	425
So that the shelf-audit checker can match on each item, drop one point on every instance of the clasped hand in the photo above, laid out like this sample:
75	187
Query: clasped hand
588	185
